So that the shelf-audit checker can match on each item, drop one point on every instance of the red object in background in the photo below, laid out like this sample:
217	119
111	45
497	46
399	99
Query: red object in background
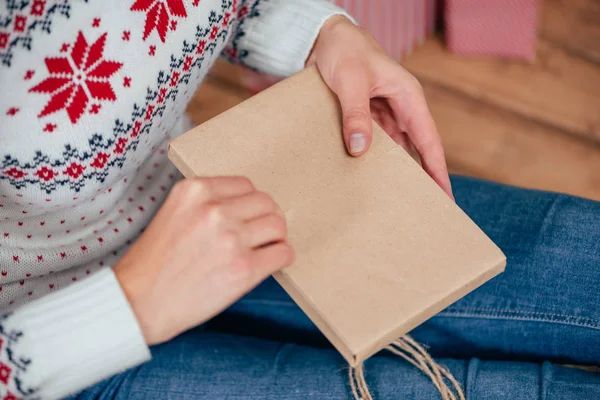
500	28
398	25
255	82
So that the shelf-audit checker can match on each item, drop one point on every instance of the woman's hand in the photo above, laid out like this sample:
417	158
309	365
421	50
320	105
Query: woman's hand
370	84
213	240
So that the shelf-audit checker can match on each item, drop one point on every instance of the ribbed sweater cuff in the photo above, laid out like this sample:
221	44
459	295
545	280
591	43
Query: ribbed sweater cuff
79	336
281	38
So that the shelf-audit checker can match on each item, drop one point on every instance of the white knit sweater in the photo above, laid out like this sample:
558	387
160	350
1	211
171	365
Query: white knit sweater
90	93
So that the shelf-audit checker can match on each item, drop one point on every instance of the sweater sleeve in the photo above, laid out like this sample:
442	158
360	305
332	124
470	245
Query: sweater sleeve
69	340
275	37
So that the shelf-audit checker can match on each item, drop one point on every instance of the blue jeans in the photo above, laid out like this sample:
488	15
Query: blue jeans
506	340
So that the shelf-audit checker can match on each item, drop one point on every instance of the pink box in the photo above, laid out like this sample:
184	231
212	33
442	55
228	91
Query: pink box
501	28
399	26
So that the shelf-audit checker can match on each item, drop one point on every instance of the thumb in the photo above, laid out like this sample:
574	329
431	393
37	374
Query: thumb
352	90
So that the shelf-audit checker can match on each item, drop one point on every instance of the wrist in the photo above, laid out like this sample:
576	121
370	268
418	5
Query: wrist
327	29
131	288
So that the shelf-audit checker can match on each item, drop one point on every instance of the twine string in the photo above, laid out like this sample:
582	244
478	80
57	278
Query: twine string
407	348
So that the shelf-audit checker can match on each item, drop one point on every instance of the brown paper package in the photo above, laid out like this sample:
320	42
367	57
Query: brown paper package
379	247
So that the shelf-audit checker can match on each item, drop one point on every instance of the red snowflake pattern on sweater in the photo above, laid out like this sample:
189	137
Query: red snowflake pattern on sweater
160	15
37	8
10	396
22	21
13	365
78	78
49	127
4	36
5	372
110	150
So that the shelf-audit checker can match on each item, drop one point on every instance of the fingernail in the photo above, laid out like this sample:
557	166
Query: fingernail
358	142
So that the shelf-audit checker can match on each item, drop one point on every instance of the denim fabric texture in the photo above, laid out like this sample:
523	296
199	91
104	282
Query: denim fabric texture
506	340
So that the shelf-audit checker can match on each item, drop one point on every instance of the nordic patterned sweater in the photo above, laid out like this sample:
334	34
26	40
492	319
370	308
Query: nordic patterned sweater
91	91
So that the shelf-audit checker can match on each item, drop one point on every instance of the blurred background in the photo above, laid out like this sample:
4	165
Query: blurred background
513	85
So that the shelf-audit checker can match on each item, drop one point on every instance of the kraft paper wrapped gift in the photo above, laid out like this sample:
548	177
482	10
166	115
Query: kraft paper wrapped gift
379	247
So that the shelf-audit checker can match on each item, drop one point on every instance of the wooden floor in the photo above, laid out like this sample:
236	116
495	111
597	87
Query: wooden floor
532	125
